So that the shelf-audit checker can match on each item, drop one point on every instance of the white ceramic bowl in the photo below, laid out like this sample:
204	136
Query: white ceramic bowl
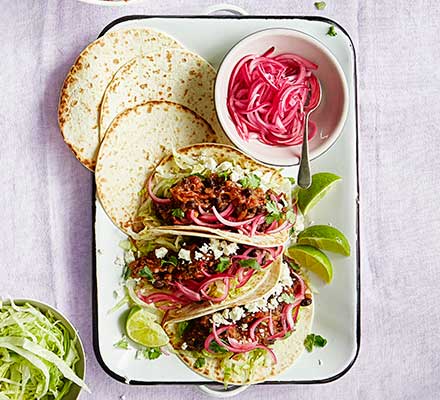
329	116
75	390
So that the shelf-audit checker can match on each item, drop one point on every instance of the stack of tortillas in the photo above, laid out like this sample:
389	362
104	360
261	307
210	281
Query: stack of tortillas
135	83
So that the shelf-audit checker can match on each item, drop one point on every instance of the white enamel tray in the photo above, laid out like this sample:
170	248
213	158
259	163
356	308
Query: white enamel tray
337	306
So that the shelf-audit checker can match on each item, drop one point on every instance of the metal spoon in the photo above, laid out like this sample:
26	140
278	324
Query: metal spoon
304	176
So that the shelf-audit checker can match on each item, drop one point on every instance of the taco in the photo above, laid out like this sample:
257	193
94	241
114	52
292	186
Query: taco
248	343
190	276
217	190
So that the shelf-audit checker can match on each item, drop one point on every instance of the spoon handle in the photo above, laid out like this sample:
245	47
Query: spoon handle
304	178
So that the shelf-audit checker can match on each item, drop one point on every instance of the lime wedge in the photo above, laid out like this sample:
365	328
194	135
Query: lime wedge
321	184
142	328
312	259
325	237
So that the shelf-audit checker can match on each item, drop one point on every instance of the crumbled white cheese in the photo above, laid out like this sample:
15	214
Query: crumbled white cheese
161	252
219	320
205	248
129	257
217	253
225	313
252	307
278	289
237	173
210	164
286	279
184	346
273	303
216	248
236	313
184	254
224	166
244	326
198	255
261	330
230	249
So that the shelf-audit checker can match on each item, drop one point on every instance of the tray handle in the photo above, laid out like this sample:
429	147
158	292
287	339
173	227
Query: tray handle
233	9
218	391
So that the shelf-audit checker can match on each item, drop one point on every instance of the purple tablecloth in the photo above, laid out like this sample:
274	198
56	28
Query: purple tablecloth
46	195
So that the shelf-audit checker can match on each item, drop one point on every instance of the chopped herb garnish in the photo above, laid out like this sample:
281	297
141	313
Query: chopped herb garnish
146	273
291	180
287	298
250	263
216	348
223	265
200	362
122	344
274	212
172	260
181	327
320	5
313	340
250	181
224	174
151	353
178	213
332	31
287	335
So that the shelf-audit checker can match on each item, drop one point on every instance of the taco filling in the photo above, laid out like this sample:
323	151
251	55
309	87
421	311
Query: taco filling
237	334
194	269
218	196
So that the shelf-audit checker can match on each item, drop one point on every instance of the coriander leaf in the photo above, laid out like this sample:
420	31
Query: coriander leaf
152	353
250	181
250	263
320	5
216	348
122	344
314	340
146	273
291	180
172	260
331	31
287	298
223	265
272	217
272	207
320	341
200	362
181	327
287	335
224	174
308	342
178	213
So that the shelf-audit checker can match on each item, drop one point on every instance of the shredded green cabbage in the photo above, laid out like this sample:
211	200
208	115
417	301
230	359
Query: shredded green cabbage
37	355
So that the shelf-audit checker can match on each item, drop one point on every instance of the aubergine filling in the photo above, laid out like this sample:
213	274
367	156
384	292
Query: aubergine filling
197	330
196	191
171	268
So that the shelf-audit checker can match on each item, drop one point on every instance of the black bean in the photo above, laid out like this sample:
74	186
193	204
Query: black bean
306	302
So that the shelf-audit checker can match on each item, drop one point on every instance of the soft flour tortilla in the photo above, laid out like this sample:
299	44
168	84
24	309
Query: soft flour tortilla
222	153
175	75
134	144
84	86
287	352
263	283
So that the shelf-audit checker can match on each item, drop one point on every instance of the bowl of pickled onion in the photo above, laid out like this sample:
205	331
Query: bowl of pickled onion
264	87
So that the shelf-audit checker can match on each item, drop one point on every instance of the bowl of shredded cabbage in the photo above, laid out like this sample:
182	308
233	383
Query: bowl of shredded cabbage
264	88
41	354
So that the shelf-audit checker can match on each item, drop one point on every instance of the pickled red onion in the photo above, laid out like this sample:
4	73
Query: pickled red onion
268	97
